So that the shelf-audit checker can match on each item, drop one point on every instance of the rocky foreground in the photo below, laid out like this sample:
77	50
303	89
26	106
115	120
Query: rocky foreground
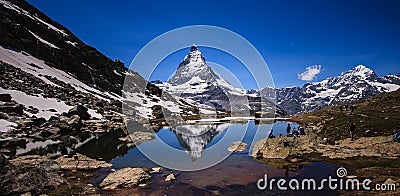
376	158
34	174
286	147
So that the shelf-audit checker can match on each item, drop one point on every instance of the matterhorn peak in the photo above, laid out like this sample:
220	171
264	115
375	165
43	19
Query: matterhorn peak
194	57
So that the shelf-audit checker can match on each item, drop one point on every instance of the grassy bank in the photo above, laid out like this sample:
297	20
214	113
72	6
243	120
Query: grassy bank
376	116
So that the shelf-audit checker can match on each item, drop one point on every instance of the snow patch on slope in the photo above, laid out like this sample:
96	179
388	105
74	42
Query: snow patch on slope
146	102
71	43
25	61
5	125
43	41
39	102
44	105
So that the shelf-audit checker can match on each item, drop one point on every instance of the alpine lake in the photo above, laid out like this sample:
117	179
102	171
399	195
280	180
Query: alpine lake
198	157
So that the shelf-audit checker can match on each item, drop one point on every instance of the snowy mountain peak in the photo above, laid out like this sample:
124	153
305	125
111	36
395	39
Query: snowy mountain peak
355	84
194	57
363	72
196	81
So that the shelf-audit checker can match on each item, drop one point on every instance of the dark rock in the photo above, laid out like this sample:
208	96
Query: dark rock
5	97
12	143
3	116
49	131
99	103
11	108
3	161
52	110
116	103
38	121
81	111
34	174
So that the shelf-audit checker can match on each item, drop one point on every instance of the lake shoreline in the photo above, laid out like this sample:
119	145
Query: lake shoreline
87	181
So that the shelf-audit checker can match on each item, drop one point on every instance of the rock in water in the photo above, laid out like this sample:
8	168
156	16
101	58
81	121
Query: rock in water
126	177
79	110
138	137
237	146
170	177
155	169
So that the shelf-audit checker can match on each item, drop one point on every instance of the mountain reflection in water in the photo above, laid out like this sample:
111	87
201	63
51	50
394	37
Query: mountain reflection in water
194	138
191	140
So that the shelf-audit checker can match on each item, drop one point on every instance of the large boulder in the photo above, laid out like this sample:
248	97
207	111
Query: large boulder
80	161
125	178
237	146
138	137
282	147
67	125
272	148
13	143
81	111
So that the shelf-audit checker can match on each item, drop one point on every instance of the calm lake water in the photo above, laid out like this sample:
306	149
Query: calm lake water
236	174
188	139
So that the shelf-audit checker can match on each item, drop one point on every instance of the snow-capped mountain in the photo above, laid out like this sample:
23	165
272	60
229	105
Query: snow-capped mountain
195	81
357	83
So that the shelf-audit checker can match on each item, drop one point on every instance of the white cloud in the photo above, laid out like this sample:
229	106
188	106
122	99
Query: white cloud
310	73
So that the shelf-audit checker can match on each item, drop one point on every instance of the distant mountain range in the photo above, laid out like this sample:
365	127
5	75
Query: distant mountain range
358	83
196	81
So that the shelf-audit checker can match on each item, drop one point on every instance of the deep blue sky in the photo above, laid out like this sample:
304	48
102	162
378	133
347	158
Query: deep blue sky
290	35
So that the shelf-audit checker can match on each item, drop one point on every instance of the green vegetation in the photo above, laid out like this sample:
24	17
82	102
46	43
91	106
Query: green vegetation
374	116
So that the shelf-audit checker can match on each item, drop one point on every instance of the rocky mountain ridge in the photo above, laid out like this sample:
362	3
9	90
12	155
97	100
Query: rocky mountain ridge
358	83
